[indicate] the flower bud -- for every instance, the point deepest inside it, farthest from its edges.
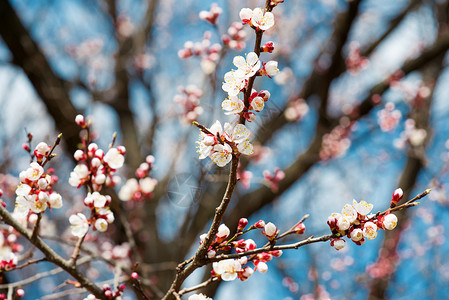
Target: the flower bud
(390, 221)
(262, 267)
(80, 121)
(268, 47)
(79, 155)
(397, 196)
(242, 224)
(338, 244)
(223, 231)
(270, 230)
(259, 224)
(300, 228)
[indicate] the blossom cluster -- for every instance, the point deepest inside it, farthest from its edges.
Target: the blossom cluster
(212, 15)
(356, 222)
(221, 143)
(388, 118)
(208, 52)
(235, 36)
(35, 192)
(188, 99)
(336, 143)
(230, 269)
(95, 169)
(236, 81)
(355, 61)
(142, 187)
(272, 180)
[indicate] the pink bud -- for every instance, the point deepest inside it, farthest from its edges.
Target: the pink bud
(397, 196)
(300, 228)
(249, 116)
(259, 224)
(79, 155)
(26, 147)
(20, 293)
(134, 275)
(276, 253)
(268, 47)
(242, 224)
(121, 150)
(80, 121)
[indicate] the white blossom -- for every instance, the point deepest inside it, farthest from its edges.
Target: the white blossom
(101, 225)
(390, 221)
(247, 67)
(262, 20)
(227, 269)
(370, 230)
(114, 159)
(79, 225)
(362, 207)
(232, 105)
(34, 172)
(233, 83)
(147, 184)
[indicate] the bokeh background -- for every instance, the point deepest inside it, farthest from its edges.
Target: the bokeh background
(359, 108)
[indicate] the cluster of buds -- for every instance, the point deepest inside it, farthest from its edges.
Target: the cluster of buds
(95, 167)
(336, 143)
(234, 105)
(208, 52)
(230, 269)
(142, 187)
(35, 191)
(410, 136)
(355, 61)
(272, 180)
(101, 215)
(108, 292)
(235, 37)
(189, 99)
(355, 222)
(9, 248)
(212, 15)
(258, 19)
(388, 118)
(220, 144)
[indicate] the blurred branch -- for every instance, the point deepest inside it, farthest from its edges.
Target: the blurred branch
(415, 163)
(394, 23)
(51, 88)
